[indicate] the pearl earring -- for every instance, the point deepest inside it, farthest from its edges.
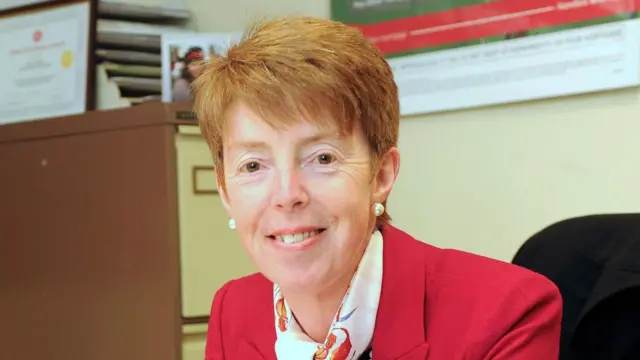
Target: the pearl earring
(378, 209)
(232, 224)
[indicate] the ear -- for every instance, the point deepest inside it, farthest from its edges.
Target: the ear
(386, 174)
(223, 193)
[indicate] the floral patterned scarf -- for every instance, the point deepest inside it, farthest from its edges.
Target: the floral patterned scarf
(352, 329)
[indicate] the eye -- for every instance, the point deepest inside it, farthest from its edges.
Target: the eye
(325, 159)
(252, 166)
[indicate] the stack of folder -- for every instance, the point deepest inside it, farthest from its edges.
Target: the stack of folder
(128, 50)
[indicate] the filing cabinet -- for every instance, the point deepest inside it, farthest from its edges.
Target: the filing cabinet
(113, 238)
(194, 341)
(209, 251)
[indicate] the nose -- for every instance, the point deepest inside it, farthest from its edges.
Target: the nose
(289, 192)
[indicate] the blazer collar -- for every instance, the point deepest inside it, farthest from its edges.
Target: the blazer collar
(400, 325)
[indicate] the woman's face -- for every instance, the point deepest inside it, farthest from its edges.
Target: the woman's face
(194, 69)
(302, 197)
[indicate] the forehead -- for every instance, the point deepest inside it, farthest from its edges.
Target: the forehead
(244, 123)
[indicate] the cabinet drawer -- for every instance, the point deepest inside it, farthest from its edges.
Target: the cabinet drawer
(194, 341)
(210, 252)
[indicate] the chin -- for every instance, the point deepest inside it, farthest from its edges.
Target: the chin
(290, 276)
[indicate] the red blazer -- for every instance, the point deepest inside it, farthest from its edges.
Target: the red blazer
(435, 304)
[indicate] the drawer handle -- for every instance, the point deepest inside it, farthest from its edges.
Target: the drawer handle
(202, 186)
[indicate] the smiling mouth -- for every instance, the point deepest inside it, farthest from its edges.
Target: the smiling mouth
(295, 238)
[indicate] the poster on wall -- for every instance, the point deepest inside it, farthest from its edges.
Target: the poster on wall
(45, 54)
(182, 55)
(456, 54)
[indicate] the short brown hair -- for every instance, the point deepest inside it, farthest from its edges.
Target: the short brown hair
(301, 66)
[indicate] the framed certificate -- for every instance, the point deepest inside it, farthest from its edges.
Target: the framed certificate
(15, 4)
(47, 60)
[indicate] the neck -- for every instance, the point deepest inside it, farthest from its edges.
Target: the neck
(315, 312)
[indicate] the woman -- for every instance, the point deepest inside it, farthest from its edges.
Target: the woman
(302, 120)
(190, 70)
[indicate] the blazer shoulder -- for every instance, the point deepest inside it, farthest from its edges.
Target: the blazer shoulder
(242, 299)
(504, 306)
(455, 269)
(242, 308)
(492, 273)
(241, 294)
(255, 281)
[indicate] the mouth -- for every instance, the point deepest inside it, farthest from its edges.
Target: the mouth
(297, 237)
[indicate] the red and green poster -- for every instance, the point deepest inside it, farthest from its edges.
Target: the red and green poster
(402, 29)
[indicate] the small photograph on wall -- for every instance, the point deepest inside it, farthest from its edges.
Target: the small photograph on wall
(182, 58)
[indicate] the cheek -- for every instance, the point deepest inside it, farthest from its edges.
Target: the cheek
(346, 193)
(350, 180)
(246, 201)
(246, 209)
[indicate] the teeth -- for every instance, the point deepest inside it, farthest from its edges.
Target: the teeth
(296, 238)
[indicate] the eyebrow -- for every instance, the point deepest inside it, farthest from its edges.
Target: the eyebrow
(261, 145)
(322, 137)
(248, 145)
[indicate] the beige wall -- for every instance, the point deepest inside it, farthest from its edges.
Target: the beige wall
(483, 180)
(232, 15)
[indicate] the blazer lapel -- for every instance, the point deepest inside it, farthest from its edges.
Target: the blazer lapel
(264, 348)
(259, 342)
(420, 352)
(400, 323)
(250, 351)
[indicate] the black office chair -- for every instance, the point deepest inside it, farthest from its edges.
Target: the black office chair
(595, 262)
